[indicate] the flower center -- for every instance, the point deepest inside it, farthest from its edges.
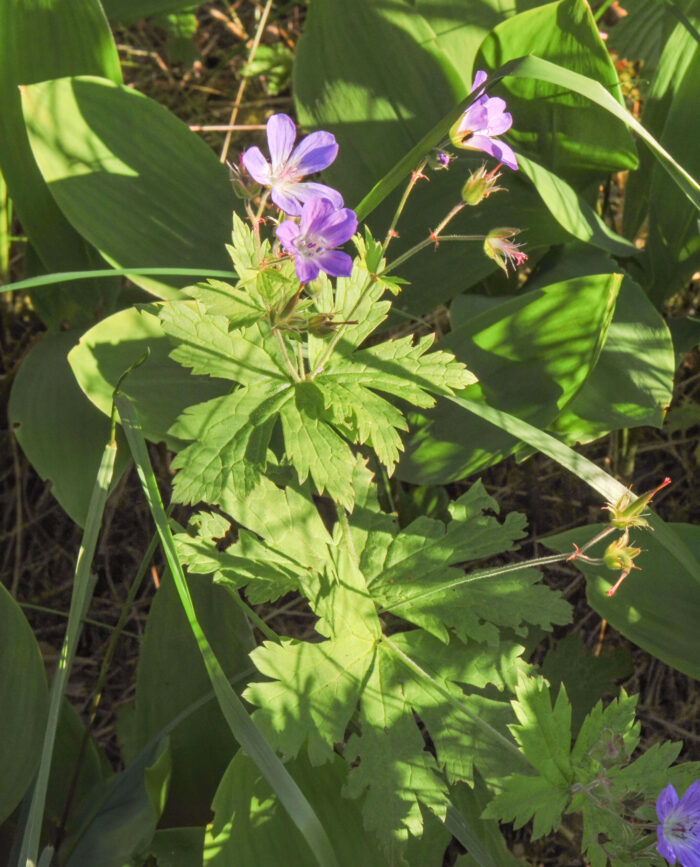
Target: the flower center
(308, 246)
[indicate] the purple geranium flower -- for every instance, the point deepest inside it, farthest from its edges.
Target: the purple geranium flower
(679, 831)
(314, 153)
(481, 122)
(311, 241)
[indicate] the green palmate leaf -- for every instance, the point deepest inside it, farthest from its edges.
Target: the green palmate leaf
(314, 694)
(394, 770)
(414, 578)
(324, 393)
(544, 733)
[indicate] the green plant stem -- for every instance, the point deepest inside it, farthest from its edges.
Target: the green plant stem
(477, 576)
(423, 675)
(602, 9)
(285, 354)
(415, 176)
(426, 242)
(46, 610)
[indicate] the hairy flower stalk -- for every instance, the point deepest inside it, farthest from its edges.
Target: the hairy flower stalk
(481, 123)
(289, 165)
(311, 241)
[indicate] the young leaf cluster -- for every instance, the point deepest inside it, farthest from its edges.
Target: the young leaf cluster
(299, 365)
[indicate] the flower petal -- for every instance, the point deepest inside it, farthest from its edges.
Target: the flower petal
(285, 200)
(335, 263)
(256, 165)
(663, 848)
(690, 802)
(315, 153)
(666, 801)
(281, 135)
(314, 215)
(497, 149)
(479, 78)
(688, 852)
(288, 232)
(339, 227)
(308, 190)
(307, 269)
(474, 119)
(499, 120)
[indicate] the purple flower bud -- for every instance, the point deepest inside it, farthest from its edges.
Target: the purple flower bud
(311, 241)
(287, 167)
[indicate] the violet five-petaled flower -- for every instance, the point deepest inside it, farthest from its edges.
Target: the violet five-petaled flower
(485, 119)
(679, 831)
(311, 241)
(289, 164)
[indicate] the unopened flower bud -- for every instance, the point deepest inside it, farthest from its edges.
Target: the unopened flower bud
(243, 186)
(626, 514)
(619, 556)
(480, 184)
(500, 247)
(439, 159)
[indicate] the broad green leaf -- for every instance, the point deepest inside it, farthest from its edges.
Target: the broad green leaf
(60, 431)
(572, 211)
(24, 697)
(156, 199)
(656, 607)
(566, 133)
(93, 767)
(393, 96)
(159, 387)
(672, 253)
(163, 690)
(394, 769)
(42, 39)
(531, 355)
(632, 382)
(119, 816)
(250, 826)
(178, 847)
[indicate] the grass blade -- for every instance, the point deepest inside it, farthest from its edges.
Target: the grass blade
(66, 276)
(82, 589)
(244, 729)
